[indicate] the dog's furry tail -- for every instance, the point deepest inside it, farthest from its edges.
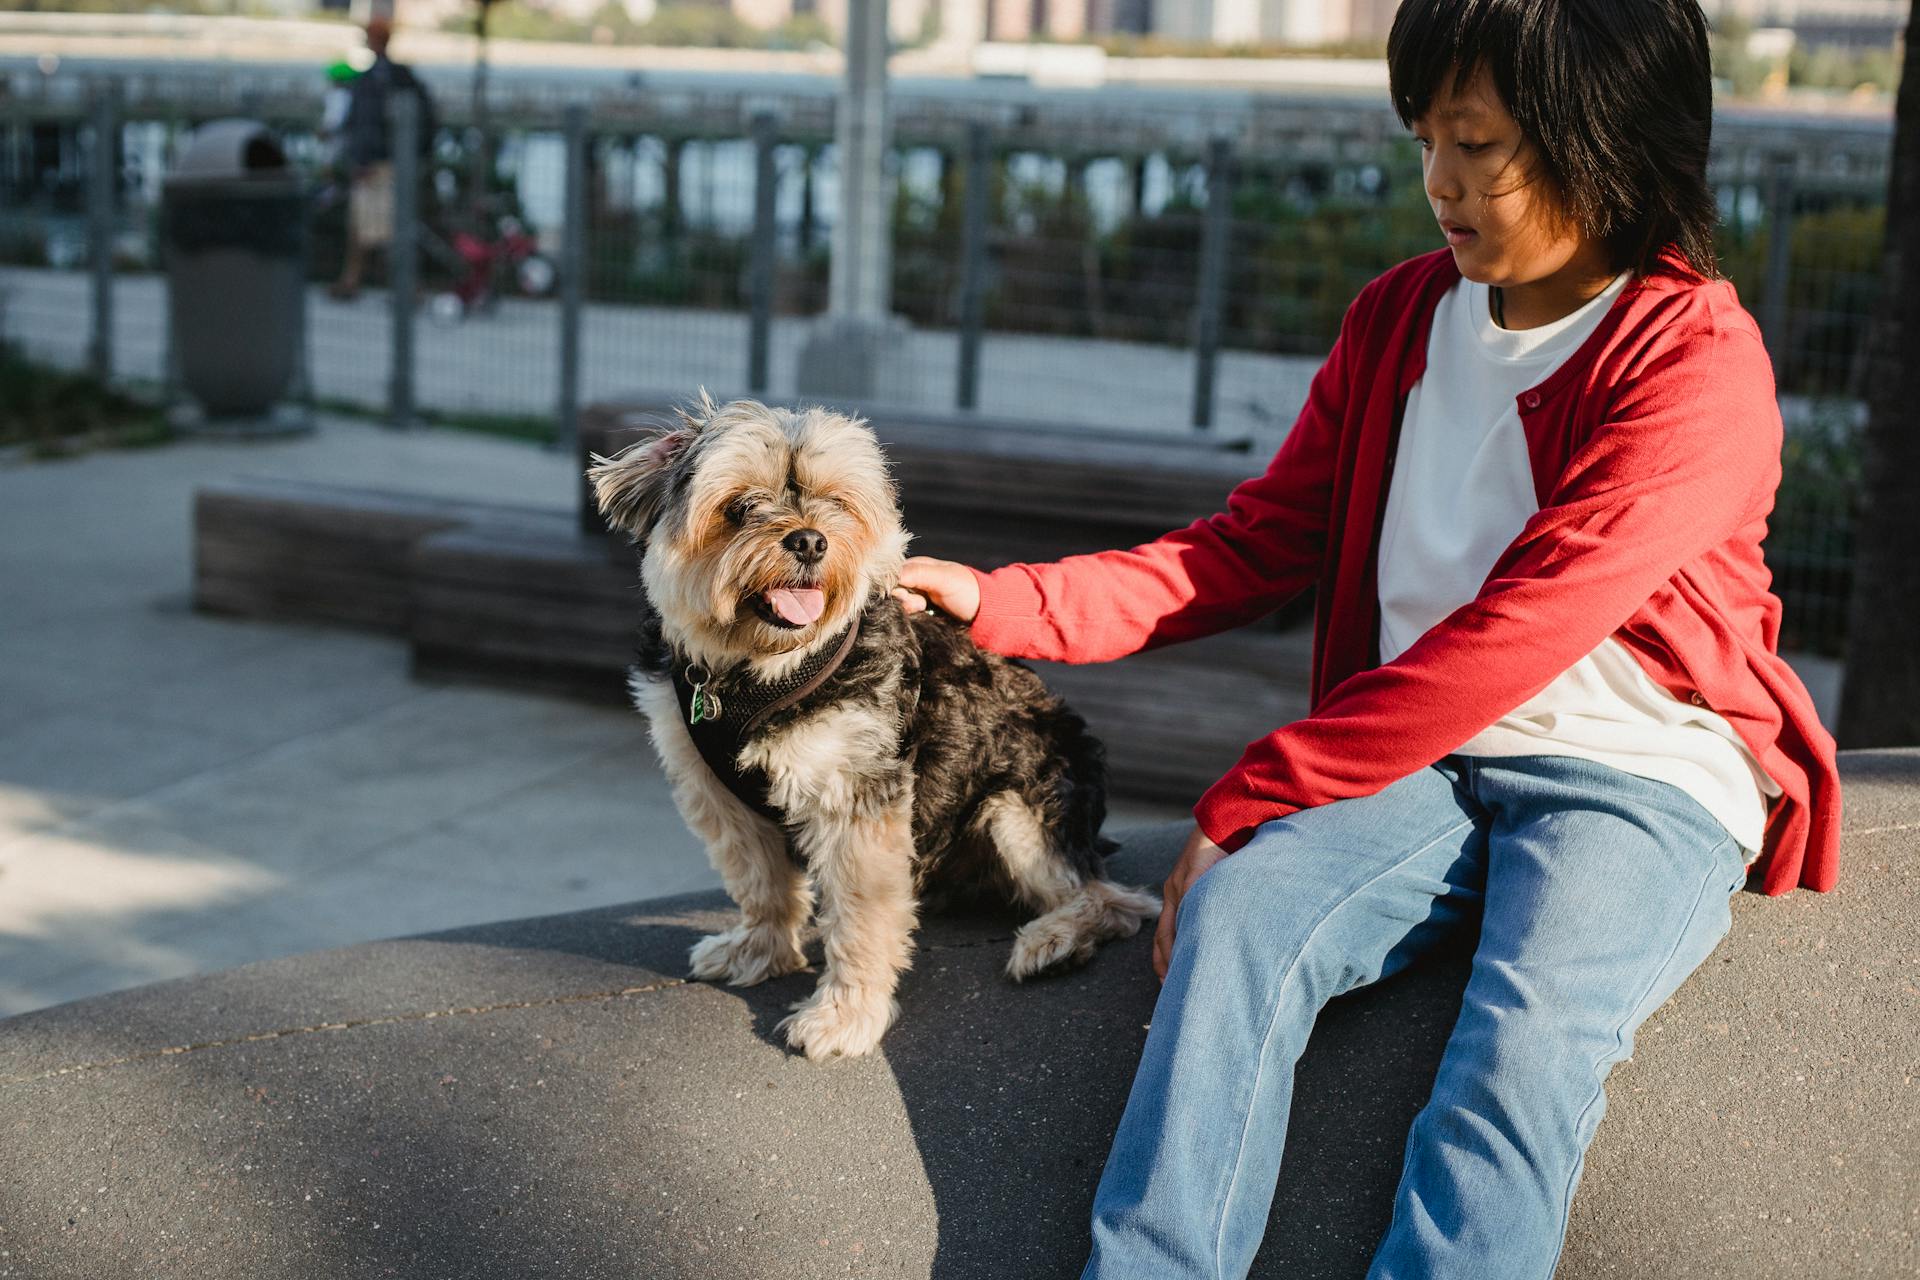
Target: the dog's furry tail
(1068, 934)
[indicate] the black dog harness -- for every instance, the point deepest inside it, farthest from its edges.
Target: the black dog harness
(723, 713)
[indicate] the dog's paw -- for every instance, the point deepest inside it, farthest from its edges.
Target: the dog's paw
(1048, 943)
(741, 957)
(839, 1022)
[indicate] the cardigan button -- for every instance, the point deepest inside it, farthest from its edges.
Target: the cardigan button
(1698, 701)
(1531, 400)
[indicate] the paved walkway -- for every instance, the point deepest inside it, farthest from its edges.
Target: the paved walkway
(181, 793)
(507, 362)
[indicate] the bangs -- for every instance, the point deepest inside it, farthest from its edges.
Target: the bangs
(1437, 46)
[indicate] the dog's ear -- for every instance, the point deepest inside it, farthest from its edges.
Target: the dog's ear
(632, 485)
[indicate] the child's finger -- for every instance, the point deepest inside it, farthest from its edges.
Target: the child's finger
(1163, 932)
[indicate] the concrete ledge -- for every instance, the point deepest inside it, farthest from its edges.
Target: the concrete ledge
(551, 1098)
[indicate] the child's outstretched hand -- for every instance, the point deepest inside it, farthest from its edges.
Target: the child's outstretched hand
(949, 586)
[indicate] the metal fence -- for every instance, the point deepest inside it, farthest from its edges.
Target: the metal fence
(1165, 262)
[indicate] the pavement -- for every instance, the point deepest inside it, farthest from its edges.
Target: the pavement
(553, 1098)
(507, 362)
(180, 794)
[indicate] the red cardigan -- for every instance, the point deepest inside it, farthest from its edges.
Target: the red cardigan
(1656, 452)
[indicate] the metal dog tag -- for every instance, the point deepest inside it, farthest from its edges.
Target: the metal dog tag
(704, 705)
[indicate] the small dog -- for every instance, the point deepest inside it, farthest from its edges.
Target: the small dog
(818, 737)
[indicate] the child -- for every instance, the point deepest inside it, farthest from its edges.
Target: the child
(1546, 696)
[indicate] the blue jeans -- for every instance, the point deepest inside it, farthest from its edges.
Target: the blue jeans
(1597, 893)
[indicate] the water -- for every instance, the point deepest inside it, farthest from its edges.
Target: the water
(717, 178)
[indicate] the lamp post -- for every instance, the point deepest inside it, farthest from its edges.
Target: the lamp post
(480, 173)
(847, 355)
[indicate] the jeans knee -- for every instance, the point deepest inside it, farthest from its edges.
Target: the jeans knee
(1224, 900)
(1242, 905)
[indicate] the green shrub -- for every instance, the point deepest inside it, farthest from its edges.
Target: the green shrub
(50, 410)
(1832, 290)
(1809, 544)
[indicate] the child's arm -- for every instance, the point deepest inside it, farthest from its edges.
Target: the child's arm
(1217, 573)
(1688, 456)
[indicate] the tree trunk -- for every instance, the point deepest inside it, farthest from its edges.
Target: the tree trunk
(1880, 702)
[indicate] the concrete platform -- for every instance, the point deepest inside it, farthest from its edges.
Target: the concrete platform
(552, 1098)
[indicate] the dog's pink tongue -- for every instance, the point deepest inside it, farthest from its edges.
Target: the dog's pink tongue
(798, 605)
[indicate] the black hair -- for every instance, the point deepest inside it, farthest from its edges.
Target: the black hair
(1616, 97)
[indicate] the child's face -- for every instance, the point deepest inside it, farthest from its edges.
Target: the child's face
(1504, 227)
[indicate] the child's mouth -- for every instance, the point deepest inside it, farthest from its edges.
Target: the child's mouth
(1460, 235)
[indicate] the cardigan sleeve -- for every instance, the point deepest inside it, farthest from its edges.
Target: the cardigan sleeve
(1213, 575)
(1687, 454)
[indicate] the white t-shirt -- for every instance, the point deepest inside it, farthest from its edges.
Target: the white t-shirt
(1462, 489)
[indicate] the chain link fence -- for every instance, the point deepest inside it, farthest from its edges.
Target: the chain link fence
(1164, 262)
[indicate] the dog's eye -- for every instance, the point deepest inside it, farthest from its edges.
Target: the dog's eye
(738, 510)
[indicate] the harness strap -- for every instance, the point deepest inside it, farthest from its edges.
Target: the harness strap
(720, 740)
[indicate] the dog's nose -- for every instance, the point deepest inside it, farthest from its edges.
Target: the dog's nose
(809, 546)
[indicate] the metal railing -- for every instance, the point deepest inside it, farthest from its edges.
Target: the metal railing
(1157, 261)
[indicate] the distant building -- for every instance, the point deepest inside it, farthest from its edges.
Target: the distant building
(906, 19)
(1044, 19)
(1301, 22)
(1859, 24)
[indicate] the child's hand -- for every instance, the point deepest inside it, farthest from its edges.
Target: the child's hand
(1199, 854)
(951, 587)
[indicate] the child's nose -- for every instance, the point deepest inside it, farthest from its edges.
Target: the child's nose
(1442, 179)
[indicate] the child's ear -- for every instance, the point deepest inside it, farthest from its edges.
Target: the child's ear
(632, 486)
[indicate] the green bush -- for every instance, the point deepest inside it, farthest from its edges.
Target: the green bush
(50, 410)
(1809, 544)
(1833, 288)
(673, 25)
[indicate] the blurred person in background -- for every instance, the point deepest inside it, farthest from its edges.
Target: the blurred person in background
(333, 108)
(367, 150)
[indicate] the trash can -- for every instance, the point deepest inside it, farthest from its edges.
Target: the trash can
(234, 234)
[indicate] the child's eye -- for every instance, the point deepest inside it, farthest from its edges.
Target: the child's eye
(1471, 147)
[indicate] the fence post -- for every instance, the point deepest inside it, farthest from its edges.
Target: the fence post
(760, 265)
(1773, 310)
(573, 270)
(301, 390)
(973, 263)
(101, 183)
(1214, 232)
(403, 252)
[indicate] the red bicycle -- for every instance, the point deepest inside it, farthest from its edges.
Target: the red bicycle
(483, 268)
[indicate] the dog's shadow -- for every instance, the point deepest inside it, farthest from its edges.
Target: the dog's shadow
(1013, 1091)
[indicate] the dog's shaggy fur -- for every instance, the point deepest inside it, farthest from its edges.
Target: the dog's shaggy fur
(921, 763)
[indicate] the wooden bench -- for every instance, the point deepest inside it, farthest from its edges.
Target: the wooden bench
(549, 600)
(993, 492)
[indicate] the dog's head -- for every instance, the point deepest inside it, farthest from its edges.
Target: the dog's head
(765, 530)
